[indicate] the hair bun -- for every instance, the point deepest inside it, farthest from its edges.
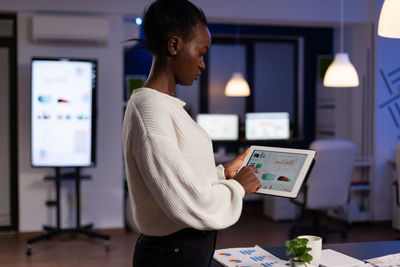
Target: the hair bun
(171, 1)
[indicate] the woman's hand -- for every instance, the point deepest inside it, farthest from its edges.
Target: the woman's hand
(247, 178)
(233, 166)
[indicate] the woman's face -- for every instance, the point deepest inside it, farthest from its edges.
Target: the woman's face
(190, 61)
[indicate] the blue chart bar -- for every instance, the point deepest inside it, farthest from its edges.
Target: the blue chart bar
(248, 251)
(258, 258)
(268, 264)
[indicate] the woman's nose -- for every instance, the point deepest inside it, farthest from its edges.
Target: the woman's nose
(202, 65)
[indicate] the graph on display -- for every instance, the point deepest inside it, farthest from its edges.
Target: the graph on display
(278, 171)
(267, 126)
(222, 127)
(391, 80)
(62, 112)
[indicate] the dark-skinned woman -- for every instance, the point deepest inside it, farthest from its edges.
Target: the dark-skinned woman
(179, 197)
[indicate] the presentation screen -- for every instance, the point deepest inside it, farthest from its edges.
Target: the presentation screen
(267, 126)
(220, 127)
(62, 112)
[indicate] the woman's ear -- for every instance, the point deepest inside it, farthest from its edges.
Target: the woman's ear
(174, 45)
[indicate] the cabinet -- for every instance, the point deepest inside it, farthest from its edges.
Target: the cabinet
(343, 113)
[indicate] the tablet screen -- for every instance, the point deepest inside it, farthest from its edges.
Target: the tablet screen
(278, 170)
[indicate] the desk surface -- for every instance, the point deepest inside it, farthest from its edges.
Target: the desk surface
(361, 251)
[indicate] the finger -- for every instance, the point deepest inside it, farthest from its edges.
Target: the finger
(244, 153)
(254, 169)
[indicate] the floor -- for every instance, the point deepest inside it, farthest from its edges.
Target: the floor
(251, 229)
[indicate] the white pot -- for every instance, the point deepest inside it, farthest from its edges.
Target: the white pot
(298, 264)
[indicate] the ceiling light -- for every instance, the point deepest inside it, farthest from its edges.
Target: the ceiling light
(389, 19)
(237, 86)
(341, 73)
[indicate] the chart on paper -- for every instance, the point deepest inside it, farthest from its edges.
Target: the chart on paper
(247, 257)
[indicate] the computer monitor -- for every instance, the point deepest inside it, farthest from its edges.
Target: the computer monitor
(267, 126)
(220, 127)
(63, 103)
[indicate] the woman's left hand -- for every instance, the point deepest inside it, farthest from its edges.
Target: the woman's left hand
(233, 166)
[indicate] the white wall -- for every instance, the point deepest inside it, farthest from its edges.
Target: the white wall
(101, 196)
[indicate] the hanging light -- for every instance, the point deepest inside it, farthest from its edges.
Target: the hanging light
(389, 19)
(237, 84)
(341, 73)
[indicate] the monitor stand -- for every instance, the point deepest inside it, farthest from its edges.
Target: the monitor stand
(50, 231)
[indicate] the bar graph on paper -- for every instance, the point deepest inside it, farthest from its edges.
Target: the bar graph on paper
(247, 257)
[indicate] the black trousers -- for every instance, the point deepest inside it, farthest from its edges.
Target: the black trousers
(185, 248)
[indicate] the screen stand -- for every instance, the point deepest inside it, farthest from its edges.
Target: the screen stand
(50, 231)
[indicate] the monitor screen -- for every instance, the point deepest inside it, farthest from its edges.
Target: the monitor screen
(267, 126)
(62, 112)
(222, 127)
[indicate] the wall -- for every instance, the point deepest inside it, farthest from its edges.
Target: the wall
(387, 117)
(101, 196)
(257, 11)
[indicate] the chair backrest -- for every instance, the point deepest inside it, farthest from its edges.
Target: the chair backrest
(397, 167)
(329, 183)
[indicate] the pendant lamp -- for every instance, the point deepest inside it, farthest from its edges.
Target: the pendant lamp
(237, 85)
(341, 73)
(389, 19)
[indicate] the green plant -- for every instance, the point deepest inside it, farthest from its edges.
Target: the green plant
(298, 248)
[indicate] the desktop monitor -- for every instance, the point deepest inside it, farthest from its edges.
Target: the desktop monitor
(220, 127)
(267, 126)
(63, 112)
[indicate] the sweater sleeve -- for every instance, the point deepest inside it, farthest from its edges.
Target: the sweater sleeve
(176, 189)
(221, 172)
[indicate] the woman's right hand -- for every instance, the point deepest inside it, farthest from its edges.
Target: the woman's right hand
(247, 178)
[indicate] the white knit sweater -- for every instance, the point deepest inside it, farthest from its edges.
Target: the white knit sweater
(172, 179)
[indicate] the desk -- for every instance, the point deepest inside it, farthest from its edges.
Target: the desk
(361, 251)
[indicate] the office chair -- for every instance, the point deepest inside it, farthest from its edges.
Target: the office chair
(396, 183)
(328, 185)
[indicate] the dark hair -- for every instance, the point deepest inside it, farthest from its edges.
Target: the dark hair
(164, 17)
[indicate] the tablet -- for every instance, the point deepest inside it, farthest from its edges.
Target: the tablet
(282, 170)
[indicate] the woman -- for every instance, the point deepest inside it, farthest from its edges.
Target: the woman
(179, 197)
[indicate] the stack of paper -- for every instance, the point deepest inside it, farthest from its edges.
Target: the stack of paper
(258, 257)
(332, 258)
(252, 256)
(389, 260)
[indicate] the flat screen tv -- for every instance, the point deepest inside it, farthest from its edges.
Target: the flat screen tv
(267, 126)
(220, 127)
(63, 104)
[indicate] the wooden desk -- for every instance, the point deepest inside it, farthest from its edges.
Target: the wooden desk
(361, 251)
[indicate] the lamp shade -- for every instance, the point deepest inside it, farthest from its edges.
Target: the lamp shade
(237, 86)
(389, 19)
(341, 73)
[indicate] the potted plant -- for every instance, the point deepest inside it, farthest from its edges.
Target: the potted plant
(298, 250)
